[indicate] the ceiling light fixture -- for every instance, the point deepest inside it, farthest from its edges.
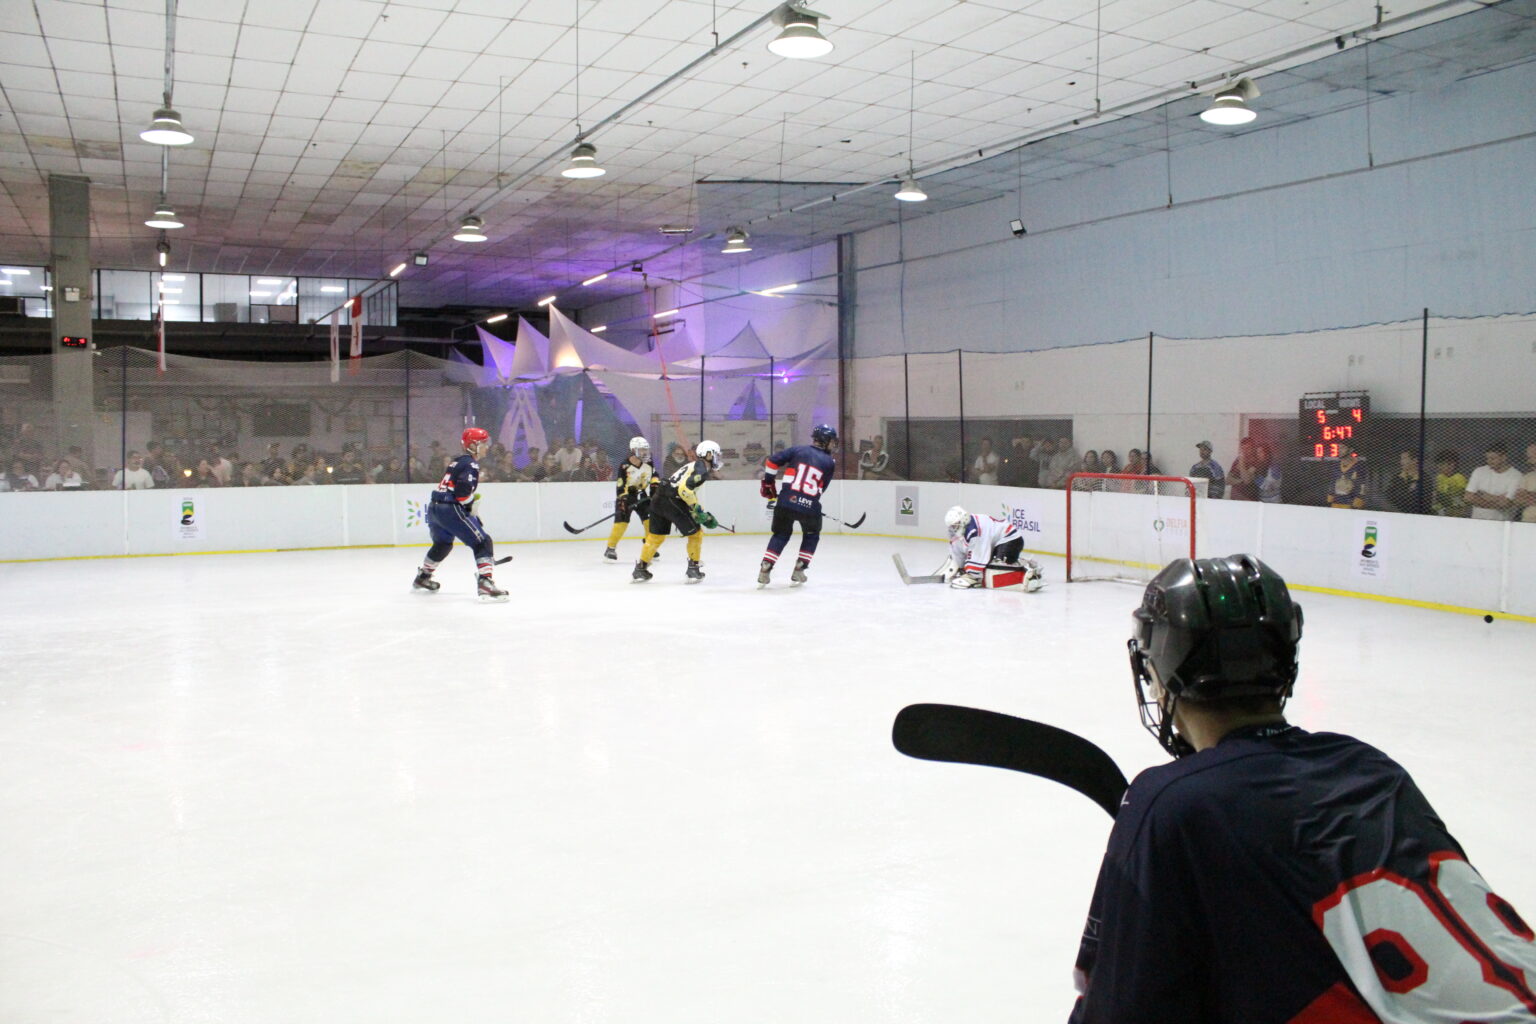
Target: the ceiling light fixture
(165, 129)
(800, 39)
(498, 318)
(593, 280)
(665, 312)
(909, 192)
(420, 259)
(599, 329)
(1230, 105)
(164, 218)
(546, 300)
(777, 289)
(736, 240)
(17, 271)
(398, 270)
(471, 229)
(269, 280)
(163, 250)
(583, 162)
(173, 277)
(332, 288)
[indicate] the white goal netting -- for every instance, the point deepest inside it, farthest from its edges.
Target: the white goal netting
(1126, 527)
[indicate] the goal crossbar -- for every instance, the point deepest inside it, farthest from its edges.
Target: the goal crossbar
(1122, 565)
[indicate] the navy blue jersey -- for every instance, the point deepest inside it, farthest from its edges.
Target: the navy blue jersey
(459, 482)
(804, 473)
(1287, 877)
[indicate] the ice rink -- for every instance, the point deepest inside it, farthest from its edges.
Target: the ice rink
(270, 788)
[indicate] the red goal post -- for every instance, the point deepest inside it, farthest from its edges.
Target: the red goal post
(1126, 527)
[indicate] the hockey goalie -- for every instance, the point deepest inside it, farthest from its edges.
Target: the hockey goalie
(988, 553)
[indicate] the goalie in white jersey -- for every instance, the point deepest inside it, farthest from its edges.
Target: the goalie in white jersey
(978, 541)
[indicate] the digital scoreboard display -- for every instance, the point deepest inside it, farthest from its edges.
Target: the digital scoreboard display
(72, 342)
(1333, 422)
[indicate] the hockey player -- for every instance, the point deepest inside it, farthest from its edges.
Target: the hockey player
(451, 516)
(1270, 874)
(633, 483)
(676, 503)
(796, 478)
(976, 541)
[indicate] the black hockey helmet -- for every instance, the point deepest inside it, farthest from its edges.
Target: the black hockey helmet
(1212, 628)
(823, 435)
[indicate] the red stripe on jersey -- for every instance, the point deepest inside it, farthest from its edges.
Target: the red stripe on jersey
(1338, 1005)
(769, 466)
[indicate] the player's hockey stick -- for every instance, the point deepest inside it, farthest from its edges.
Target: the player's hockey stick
(853, 525)
(584, 529)
(901, 567)
(948, 732)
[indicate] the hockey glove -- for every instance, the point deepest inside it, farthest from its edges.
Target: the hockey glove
(705, 519)
(620, 508)
(768, 488)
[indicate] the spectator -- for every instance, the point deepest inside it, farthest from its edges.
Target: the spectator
(872, 462)
(205, 475)
(1090, 464)
(1149, 467)
(350, 470)
(18, 479)
(1243, 483)
(984, 469)
(1019, 469)
(1109, 462)
(154, 461)
(280, 476)
(222, 467)
(1062, 463)
(1404, 491)
(250, 476)
(1491, 491)
(1269, 477)
(76, 457)
(273, 460)
(1209, 469)
(547, 469)
(1348, 490)
(133, 477)
(392, 473)
(601, 468)
(1450, 497)
(1525, 497)
(1135, 465)
(535, 457)
(64, 478)
(677, 458)
(28, 449)
(568, 456)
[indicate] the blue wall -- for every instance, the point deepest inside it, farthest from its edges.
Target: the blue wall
(1271, 232)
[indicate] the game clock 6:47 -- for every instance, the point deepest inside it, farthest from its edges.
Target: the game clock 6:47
(1333, 422)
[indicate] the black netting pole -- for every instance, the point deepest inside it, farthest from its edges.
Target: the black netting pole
(702, 374)
(123, 424)
(960, 381)
(1421, 504)
(408, 416)
(770, 407)
(1146, 458)
(906, 390)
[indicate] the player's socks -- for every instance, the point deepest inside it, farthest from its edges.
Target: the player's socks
(798, 576)
(611, 555)
(764, 571)
(694, 572)
(642, 572)
(424, 581)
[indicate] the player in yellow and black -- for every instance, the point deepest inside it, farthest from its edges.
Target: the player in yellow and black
(634, 482)
(676, 503)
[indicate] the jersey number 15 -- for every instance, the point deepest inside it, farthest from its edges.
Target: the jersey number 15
(805, 479)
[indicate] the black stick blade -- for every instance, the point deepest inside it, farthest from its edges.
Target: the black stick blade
(569, 528)
(858, 522)
(948, 732)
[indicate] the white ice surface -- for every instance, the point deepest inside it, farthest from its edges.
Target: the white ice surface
(282, 789)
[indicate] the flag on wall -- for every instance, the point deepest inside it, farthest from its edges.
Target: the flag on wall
(160, 331)
(335, 345)
(355, 355)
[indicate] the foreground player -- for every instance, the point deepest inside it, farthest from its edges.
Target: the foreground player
(450, 517)
(976, 541)
(676, 503)
(634, 482)
(1271, 874)
(797, 478)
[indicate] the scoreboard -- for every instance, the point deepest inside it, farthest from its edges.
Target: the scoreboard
(1333, 422)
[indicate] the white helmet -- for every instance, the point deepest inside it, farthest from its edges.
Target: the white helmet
(709, 452)
(639, 446)
(955, 518)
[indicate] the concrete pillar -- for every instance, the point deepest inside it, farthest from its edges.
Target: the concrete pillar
(69, 218)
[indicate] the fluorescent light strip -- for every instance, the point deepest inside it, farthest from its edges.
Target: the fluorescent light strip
(16, 271)
(173, 277)
(332, 288)
(261, 295)
(599, 329)
(269, 280)
(398, 270)
(498, 318)
(593, 280)
(546, 301)
(665, 312)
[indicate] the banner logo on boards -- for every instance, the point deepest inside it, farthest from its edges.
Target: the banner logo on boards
(1366, 559)
(1021, 520)
(906, 506)
(188, 526)
(415, 513)
(188, 512)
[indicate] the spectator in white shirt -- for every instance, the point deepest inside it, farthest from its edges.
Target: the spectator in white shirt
(64, 478)
(1525, 497)
(1491, 491)
(133, 477)
(18, 479)
(984, 469)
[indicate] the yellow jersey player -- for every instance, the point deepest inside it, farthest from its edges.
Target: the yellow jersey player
(634, 482)
(676, 503)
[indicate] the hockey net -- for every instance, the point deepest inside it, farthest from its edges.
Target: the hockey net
(1126, 527)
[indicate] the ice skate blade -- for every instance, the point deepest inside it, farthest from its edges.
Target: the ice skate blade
(492, 599)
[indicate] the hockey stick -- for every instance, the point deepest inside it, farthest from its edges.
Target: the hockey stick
(572, 529)
(853, 525)
(948, 732)
(901, 567)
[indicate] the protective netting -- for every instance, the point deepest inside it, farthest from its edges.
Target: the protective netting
(1127, 527)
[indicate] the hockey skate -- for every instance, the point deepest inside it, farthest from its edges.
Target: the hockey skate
(424, 582)
(764, 571)
(641, 574)
(694, 572)
(610, 554)
(489, 591)
(798, 576)
(966, 580)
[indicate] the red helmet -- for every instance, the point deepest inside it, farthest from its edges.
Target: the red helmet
(474, 435)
